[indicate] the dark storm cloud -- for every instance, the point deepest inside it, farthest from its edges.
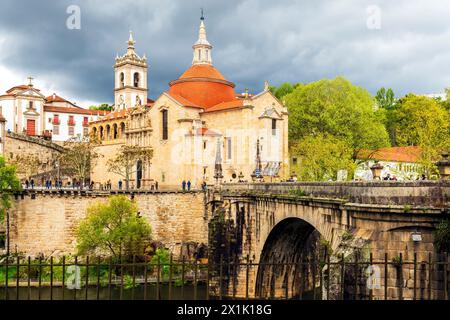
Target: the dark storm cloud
(297, 41)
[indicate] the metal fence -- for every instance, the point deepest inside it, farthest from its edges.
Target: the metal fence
(338, 279)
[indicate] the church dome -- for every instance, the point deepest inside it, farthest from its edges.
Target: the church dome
(203, 85)
(202, 71)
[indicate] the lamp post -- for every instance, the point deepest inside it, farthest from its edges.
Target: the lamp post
(444, 166)
(376, 170)
(58, 173)
(257, 173)
(218, 176)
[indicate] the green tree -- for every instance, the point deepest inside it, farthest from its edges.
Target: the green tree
(385, 98)
(114, 227)
(282, 90)
(124, 164)
(321, 157)
(102, 107)
(336, 108)
(442, 236)
(422, 121)
(78, 157)
(9, 182)
(386, 111)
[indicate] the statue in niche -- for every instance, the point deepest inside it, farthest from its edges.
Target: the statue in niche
(121, 103)
(138, 101)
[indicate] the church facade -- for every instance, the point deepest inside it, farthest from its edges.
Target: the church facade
(199, 130)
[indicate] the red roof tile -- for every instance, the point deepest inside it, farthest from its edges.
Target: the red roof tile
(73, 110)
(226, 106)
(21, 87)
(183, 101)
(204, 86)
(202, 71)
(397, 154)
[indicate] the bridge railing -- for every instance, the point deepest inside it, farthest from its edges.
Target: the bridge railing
(134, 279)
(416, 193)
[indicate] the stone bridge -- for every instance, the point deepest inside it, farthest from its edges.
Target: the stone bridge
(289, 223)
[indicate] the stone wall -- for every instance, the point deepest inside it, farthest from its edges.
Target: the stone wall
(17, 145)
(45, 222)
(417, 193)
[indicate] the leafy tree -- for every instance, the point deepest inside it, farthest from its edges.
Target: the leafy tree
(386, 111)
(102, 107)
(9, 182)
(385, 98)
(114, 227)
(124, 164)
(282, 90)
(321, 157)
(442, 236)
(78, 157)
(422, 121)
(336, 108)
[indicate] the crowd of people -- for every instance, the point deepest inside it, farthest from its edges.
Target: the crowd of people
(50, 184)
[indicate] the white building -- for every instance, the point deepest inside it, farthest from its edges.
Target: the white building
(28, 111)
(399, 163)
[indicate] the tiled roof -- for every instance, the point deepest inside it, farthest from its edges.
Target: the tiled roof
(55, 98)
(397, 154)
(204, 132)
(202, 71)
(21, 87)
(77, 110)
(203, 86)
(183, 101)
(226, 106)
(150, 102)
(115, 115)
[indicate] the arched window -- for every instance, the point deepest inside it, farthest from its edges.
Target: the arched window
(165, 124)
(115, 131)
(199, 55)
(136, 79)
(122, 129)
(122, 79)
(108, 132)
(101, 132)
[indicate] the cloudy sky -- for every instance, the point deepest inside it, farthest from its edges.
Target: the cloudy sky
(401, 44)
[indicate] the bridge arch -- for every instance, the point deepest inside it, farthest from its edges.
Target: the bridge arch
(286, 262)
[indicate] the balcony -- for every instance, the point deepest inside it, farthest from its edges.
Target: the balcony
(71, 123)
(85, 123)
(56, 121)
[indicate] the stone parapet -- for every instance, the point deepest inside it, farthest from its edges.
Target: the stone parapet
(415, 193)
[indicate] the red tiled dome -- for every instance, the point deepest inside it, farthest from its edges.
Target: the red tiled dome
(203, 85)
(202, 71)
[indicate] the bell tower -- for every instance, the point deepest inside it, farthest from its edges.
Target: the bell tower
(130, 87)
